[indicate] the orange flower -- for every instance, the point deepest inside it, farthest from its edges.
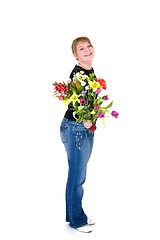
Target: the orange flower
(102, 82)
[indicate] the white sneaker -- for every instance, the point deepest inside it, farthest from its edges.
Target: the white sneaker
(86, 229)
(90, 222)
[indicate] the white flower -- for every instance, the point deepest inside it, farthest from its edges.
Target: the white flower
(78, 75)
(69, 81)
(83, 83)
(86, 88)
(81, 72)
(85, 77)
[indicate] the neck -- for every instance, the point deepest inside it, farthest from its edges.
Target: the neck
(86, 66)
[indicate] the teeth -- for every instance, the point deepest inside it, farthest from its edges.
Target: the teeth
(88, 54)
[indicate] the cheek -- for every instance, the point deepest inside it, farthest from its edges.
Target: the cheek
(80, 54)
(92, 49)
(92, 52)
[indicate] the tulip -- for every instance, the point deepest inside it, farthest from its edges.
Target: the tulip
(114, 114)
(105, 98)
(96, 106)
(100, 115)
(98, 90)
(82, 101)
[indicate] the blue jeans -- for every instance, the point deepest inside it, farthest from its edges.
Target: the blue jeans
(78, 144)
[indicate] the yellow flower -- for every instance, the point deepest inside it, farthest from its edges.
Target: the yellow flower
(74, 98)
(94, 85)
(66, 101)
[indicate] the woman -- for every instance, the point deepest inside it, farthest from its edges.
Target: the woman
(78, 143)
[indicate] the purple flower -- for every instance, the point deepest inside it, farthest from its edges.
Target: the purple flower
(96, 106)
(100, 115)
(98, 90)
(83, 92)
(82, 101)
(105, 98)
(114, 114)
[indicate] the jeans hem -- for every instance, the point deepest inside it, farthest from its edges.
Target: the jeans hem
(79, 225)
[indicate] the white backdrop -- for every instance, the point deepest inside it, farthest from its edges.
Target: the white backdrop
(122, 187)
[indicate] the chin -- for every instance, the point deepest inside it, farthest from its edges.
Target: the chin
(89, 58)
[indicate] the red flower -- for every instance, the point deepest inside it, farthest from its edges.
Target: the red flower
(102, 82)
(66, 89)
(56, 88)
(92, 128)
(60, 87)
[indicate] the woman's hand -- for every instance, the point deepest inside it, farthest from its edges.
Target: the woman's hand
(87, 124)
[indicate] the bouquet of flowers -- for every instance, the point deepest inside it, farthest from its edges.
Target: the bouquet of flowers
(83, 92)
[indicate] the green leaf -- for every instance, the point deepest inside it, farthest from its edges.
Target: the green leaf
(92, 76)
(74, 115)
(110, 105)
(93, 112)
(99, 101)
(80, 108)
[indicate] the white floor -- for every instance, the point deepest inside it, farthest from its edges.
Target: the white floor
(124, 202)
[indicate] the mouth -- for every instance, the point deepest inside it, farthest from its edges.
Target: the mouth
(87, 54)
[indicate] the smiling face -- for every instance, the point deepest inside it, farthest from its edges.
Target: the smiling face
(84, 52)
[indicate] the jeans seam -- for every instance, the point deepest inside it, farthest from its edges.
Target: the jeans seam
(72, 191)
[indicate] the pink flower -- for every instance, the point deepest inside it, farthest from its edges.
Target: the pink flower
(56, 88)
(100, 115)
(114, 114)
(61, 96)
(96, 106)
(60, 87)
(63, 87)
(82, 101)
(105, 98)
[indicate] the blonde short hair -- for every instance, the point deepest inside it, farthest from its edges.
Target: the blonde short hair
(77, 40)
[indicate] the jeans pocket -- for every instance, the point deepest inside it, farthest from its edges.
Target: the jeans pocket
(63, 132)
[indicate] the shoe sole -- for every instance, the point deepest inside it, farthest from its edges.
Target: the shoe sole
(84, 231)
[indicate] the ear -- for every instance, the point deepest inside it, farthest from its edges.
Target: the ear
(75, 56)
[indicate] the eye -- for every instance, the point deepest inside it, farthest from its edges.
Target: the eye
(81, 49)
